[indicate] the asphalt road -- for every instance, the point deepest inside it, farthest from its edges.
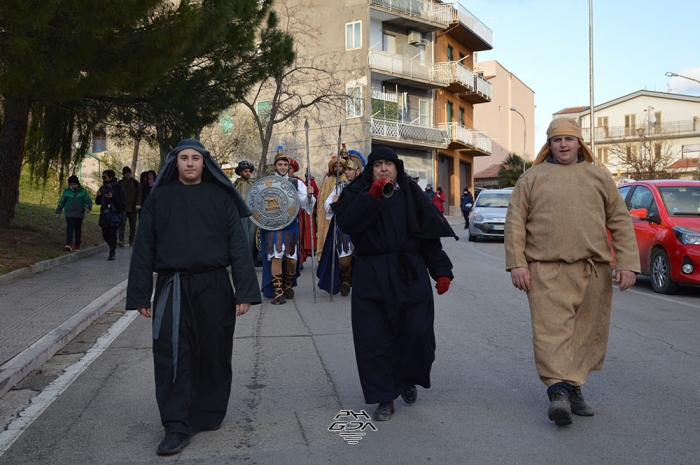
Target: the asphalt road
(294, 372)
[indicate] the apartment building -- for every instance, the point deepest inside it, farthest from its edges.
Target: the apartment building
(643, 124)
(407, 68)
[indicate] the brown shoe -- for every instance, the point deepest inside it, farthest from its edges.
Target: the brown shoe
(287, 284)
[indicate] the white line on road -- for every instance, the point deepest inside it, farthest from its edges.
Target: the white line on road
(42, 401)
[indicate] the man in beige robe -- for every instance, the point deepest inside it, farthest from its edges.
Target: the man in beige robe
(558, 251)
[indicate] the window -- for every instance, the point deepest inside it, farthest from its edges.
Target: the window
(354, 107)
(656, 123)
(461, 56)
(226, 122)
(657, 151)
(264, 111)
(641, 198)
(353, 35)
(450, 108)
(99, 141)
(389, 43)
(631, 153)
(603, 154)
(424, 109)
(630, 125)
(602, 122)
(624, 191)
(450, 53)
(461, 116)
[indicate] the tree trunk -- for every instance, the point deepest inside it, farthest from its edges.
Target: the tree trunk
(12, 142)
(135, 157)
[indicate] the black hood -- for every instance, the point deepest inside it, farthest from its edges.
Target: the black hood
(212, 173)
(423, 218)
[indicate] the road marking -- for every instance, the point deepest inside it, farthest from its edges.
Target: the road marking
(42, 401)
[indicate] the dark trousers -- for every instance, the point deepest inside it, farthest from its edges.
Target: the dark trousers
(466, 217)
(110, 237)
(74, 225)
(131, 218)
(198, 397)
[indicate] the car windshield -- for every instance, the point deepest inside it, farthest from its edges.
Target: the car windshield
(681, 200)
(493, 199)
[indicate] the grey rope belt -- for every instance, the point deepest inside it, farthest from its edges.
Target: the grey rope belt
(171, 285)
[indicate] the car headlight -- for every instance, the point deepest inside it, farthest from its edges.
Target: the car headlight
(478, 217)
(686, 236)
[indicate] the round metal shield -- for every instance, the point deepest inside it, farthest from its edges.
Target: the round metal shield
(274, 202)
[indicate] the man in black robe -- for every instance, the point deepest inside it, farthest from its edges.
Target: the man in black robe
(397, 250)
(190, 232)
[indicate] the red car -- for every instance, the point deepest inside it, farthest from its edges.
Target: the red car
(666, 218)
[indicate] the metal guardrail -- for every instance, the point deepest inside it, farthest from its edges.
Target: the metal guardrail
(426, 10)
(409, 132)
(408, 67)
(671, 128)
(458, 133)
(384, 96)
(469, 20)
(483, 87)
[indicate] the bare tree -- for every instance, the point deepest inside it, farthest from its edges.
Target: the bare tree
(309, 85)
(233, 138)
(646, 157)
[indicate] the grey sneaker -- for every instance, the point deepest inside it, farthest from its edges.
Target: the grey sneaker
(578, 404)
(559, 408)
(384, 411)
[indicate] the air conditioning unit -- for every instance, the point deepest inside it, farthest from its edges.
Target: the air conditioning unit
(414, 37)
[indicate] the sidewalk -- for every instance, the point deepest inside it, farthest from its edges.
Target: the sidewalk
(42, 312)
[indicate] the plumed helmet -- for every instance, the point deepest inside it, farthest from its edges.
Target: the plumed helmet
(343, 152)
(280, 155)
(244, 165)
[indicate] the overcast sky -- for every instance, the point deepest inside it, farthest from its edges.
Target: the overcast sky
(545, 44)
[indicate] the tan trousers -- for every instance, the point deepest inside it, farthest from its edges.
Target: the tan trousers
(570, 305)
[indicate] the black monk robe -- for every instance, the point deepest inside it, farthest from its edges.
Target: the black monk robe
(189, 234)
(392, 295)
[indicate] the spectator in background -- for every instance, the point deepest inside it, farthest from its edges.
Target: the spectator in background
(132, 189)
(439, 199)
(77, 203)
(429, 192)
(465, 204)
(112, 201)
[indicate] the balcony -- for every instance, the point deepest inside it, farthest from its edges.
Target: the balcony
(472, 33)
(466, 140)
(460, 77)
(482, 91)
(407, 71)
(408, 135)
(418, 15)
(622, 134)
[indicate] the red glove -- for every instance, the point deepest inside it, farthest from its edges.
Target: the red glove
(443, 284)
(377, 186)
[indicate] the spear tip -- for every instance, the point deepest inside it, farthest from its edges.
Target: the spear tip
(306, 123)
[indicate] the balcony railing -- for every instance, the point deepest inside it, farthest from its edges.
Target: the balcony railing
(404, 66)
(467, 136)
(626, 133)
(384, 96)
(409, 132)
(426, 10)
(483, 87)
(469, 20)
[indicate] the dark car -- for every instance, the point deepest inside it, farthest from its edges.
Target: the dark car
(666, 218)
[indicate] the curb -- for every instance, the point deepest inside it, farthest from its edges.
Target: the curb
(16, 369)
(51, 263)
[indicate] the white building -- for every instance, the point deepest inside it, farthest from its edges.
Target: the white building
(632, 120)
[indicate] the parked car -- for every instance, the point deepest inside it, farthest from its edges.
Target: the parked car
(488, 216)
(666, 218)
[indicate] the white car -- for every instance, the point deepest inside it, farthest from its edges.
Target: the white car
(488, 217)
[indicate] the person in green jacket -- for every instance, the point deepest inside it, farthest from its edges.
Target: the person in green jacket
(77, 203)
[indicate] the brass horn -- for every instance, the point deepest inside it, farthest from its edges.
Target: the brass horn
(388, 189)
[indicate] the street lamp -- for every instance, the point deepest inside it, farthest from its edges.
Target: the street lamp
(670, 74)
(524, 135)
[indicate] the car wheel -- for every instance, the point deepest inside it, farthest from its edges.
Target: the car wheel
(471, 238)
(661, 273)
